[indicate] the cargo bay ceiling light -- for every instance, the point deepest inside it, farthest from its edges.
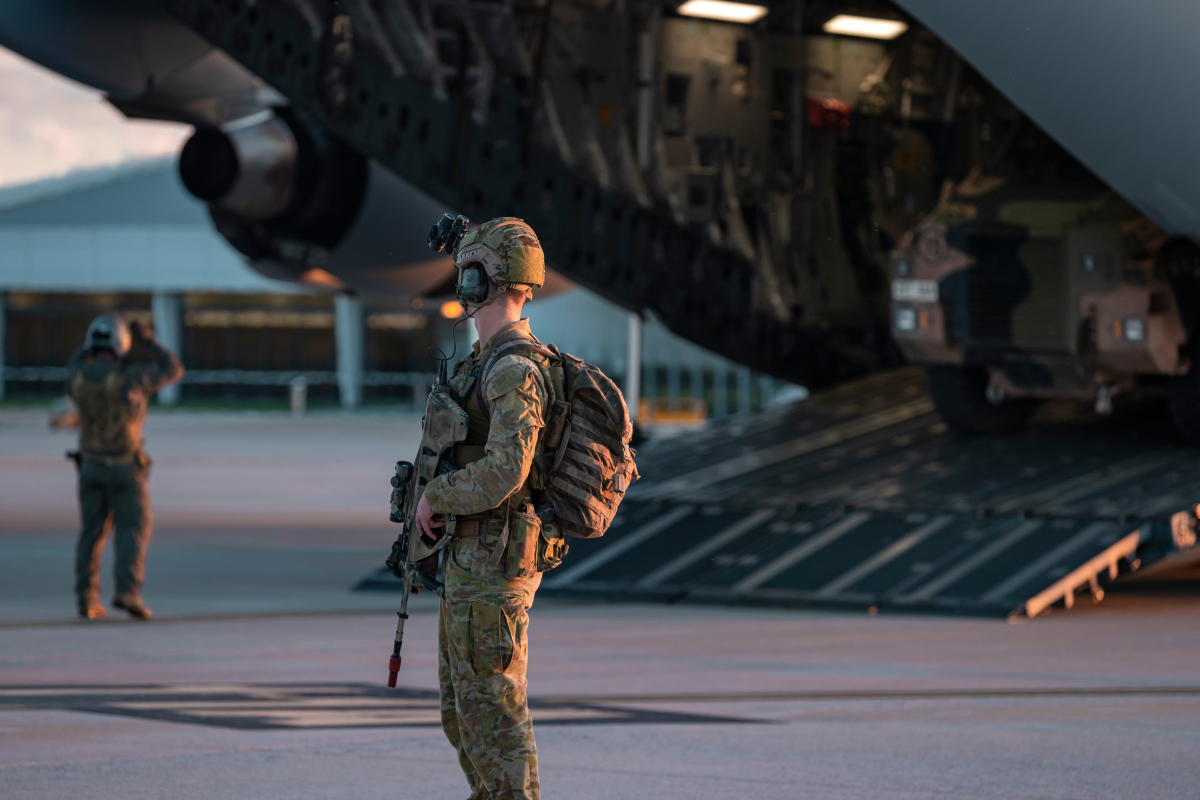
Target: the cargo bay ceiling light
(724, 11)
(867, 27)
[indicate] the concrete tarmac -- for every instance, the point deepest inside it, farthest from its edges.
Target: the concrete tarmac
(263, 675)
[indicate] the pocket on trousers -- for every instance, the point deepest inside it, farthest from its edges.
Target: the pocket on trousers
(520, 557)
(496, 639)
(471, 558)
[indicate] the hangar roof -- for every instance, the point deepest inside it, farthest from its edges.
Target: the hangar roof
(131, 227)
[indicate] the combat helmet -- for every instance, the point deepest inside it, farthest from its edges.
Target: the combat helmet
(504, 249)
(108, 331)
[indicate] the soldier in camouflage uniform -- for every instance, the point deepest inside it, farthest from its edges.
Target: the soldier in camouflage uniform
(482, 641)
(111, 396)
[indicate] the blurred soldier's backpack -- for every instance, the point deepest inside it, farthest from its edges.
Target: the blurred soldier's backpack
(584, 462)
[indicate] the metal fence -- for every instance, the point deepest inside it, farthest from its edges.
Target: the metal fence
(248, 377)
(704, 387)
(419, 382)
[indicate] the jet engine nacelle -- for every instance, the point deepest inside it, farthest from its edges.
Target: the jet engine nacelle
(300, 205)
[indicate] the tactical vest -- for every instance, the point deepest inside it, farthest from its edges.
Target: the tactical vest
(110, 421)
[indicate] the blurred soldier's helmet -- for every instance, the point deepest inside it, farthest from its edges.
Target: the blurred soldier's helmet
(108, 331)
(505, 250)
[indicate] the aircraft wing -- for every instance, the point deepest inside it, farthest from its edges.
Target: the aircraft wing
(1113, 81)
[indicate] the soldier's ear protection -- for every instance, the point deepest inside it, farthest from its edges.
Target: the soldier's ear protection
(472, 284)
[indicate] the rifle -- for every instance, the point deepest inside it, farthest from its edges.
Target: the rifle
(443, 426)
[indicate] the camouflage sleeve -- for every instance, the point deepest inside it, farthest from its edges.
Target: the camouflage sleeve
(73, 365)
(166, 369)
(516, 395)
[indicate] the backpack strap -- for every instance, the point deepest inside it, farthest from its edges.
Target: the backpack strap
(511, 342)
(474, 379)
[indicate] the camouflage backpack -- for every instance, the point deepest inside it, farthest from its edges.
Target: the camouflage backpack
(584, 461)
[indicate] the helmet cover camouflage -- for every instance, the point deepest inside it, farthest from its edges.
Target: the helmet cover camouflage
(509, 251)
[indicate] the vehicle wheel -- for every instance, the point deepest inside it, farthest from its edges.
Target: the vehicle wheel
(959, 394)
(1183, 399)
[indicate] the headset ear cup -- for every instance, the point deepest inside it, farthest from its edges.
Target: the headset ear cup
(481, 285)
(473, 284)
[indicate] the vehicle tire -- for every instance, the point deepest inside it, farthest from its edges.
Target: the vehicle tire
(1183, 399)
(959, 395)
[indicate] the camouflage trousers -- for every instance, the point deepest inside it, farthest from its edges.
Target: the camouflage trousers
(483, 650)
(112, 497)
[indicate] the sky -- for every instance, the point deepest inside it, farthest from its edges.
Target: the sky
(50, 126)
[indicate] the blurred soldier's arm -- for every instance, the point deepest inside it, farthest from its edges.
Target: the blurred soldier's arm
(63, 413)
(73, 364)
(166, 369)
(516, 396)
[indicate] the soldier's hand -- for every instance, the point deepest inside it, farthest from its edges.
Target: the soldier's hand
(140, 331)
(428, 527)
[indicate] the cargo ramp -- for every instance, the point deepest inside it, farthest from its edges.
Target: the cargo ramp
(860, 497)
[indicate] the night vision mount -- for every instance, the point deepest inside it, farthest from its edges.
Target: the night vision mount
(443, 237)
(445, 233)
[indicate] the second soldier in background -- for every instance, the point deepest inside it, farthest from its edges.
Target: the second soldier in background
(111, 395)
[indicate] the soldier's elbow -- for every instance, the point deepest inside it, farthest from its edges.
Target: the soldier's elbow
(506, 490)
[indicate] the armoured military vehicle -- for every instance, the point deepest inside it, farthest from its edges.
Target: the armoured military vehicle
(1038, 282)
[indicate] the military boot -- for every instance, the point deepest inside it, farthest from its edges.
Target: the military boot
(92, 609)
(133, 605)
